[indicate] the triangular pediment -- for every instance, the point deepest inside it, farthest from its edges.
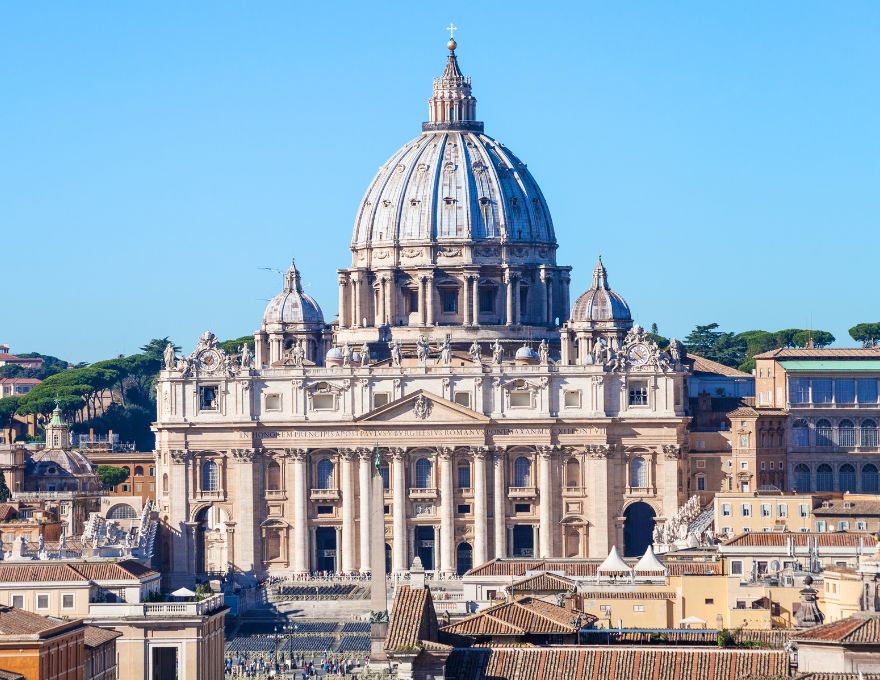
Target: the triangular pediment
(422, 407)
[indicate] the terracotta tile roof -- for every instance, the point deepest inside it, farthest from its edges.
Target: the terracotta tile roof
(693, 568)
(412, 619)
(523, 616)
(823, 353)
(700, 364)
(857, 507)
(96, 637)
(573, 568)
(543, 582)
(774, 539)
(9, 675)
(20, 381)
(20, 622)
(40, 572)
(611, 663)
(817, 676)
(113, 571)
(7, 512)
(859, 629)
(623, 595)
(747, 411)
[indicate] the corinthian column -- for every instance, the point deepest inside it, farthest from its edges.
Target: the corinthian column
(380, 302)
(447, 550)
(508, 283)
(465, 301)
(300, 513)
(347, 480)
(364, 473)
(480, 515)
(429, 300)
(398, 476)
(343, 312)
(545, 480)
(475, 304)
(500, 509)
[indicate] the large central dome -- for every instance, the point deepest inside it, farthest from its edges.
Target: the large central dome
(453, 240)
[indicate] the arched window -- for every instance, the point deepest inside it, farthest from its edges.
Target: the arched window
(824, 478)
(802, 478)
(870, 479)
(846, 478)
(800, 433)
(846, 433)
(273, 476)
(210, 476)
(423, 473)
(138, 471)
(522, 472)
(464, 558)
(638, 473)
(121, 511)
(823, 433)
(325, 474)
(572, 473)
(869, 433)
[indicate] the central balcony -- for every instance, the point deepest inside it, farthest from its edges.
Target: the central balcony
(324, 494)
(422, 494)
(522, 492)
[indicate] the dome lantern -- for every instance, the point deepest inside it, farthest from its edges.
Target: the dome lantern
(452, 106)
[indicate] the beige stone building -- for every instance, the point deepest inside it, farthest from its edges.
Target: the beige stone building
(507, 422)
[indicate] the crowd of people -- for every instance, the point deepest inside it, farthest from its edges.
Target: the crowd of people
(259, 666)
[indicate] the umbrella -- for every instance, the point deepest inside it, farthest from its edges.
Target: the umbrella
(183, 592)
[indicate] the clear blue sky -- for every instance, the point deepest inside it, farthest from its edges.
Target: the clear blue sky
(723, 157)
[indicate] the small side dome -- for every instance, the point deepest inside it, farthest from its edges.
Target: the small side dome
(600, 303)
(292, 305)
(334, 357)
(526, 355)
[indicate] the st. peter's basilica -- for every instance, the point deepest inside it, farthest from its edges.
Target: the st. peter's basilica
(507, 421)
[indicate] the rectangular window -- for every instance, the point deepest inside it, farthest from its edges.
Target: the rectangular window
(42, 601)
(844, 391)
(820, 526)
(821, 390)
(843, 525)
(701, 464)
(744, 465)
(868, 391)
(701, 483)
(782, 510)
(746, 509)
(763, 465)
(125, 487)
(152, 472)
(462, 398)
(736, 567)
(638, 608)
(464, 476)
(413, 301)
(450, 301)
(744, 441)
(325, 509)
(765, 510)
(522, 507)
(208, 398)
(323, 402)
(572, 398)
(464, 509)
(487, 300)
(520, 399)
(138, 486)
(273, 402)
(18, 601)
(861, 526)
(67, 601)
(799, 390)
(726, 509)
(380, 399)
(803, 510)
(383, 473)
(638, 393)
(771, 464)
(709, 600)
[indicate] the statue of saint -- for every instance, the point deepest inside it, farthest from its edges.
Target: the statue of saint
(365, 354)
(497, 353)
(476, 353)
(247, 359)
(446, 352)
(544, 352)
(422, 349)
(169, 357)
(394, 348)
(297, 353)
(346, 355)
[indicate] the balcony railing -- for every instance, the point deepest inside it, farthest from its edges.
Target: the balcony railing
(276, 494)
(522, 492)
(213, 495)
(422, 494)
(155, 609)
(324, 494)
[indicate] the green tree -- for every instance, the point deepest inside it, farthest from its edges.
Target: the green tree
(5, 494)
(818, 338)
(710, 343)
(156, 347)
(654, 334)
(866, 333)
(111, 475)
(702, 339)
(233, 346)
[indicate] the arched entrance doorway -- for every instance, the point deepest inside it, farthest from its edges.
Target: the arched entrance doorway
(638, 529)
(325, 548)
(210, 541)
(425, 546)
(464, 558)
(523, 540)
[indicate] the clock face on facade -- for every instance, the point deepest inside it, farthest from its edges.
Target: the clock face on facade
(209, 360)
(638, 354)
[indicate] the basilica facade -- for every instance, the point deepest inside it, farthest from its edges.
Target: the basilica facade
(504, 420)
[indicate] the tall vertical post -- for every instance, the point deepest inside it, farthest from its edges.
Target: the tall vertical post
(378, 589)
(300, 513)
(347, 479)
(447, 518)
(480, 516)
(500, 503)
(398, 475)
(545, 480)
(364, 482)
(429, 300)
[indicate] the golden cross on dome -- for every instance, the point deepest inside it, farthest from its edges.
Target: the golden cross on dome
(452, 28)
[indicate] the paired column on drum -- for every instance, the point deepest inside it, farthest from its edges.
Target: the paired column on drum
(481, 518)
(347, 482)
(300, 512)
(500, 502)
(364, 482)
(447, 529)
(398, 478)
(545, 494)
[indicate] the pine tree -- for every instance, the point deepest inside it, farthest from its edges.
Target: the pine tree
(5, 494)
